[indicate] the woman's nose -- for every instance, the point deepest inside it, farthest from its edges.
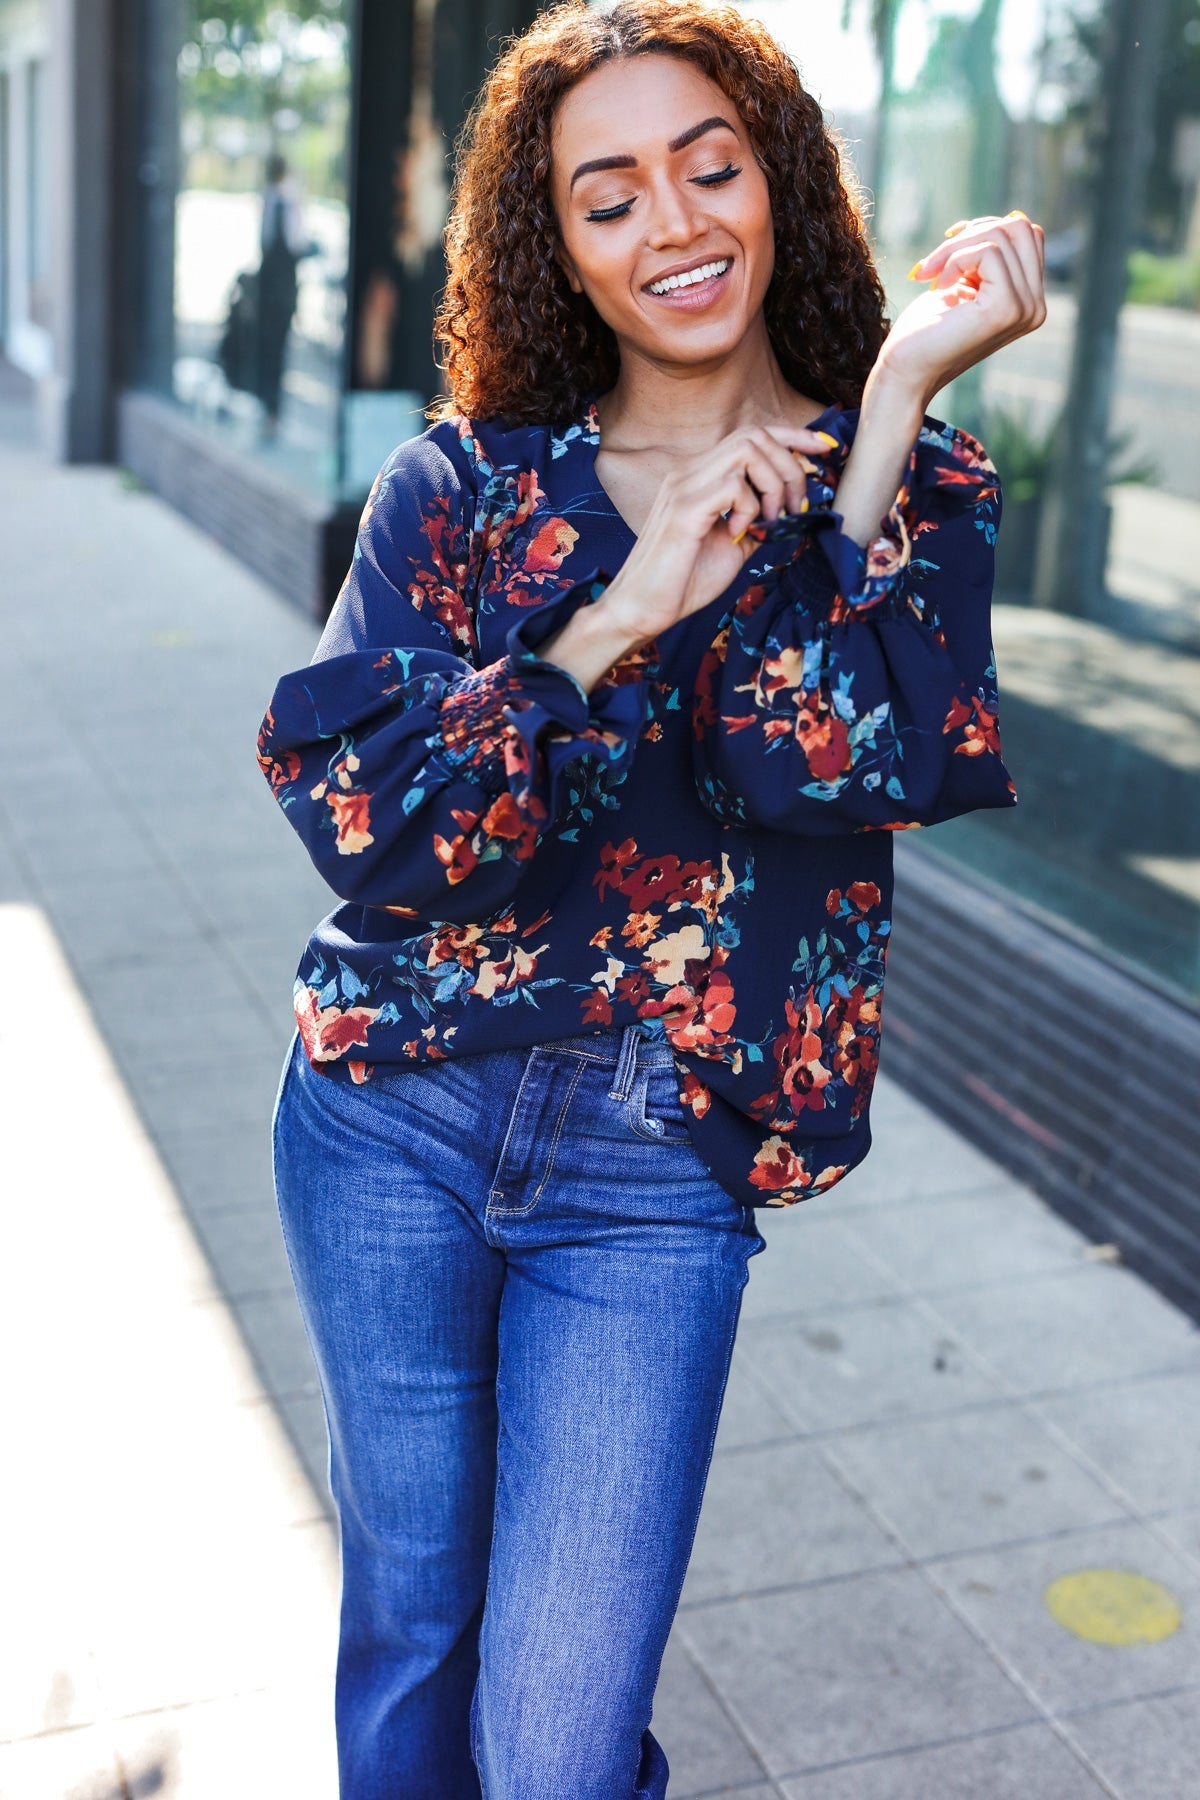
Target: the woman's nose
(674, 218)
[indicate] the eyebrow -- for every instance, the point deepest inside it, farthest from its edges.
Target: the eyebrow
(630, 162)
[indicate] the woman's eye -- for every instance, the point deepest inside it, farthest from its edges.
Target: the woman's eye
(610, 212)
(721, 175)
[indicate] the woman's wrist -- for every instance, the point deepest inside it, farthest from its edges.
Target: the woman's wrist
(588, 645)
(889, 423)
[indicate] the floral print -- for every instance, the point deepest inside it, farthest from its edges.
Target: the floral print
(700, 845)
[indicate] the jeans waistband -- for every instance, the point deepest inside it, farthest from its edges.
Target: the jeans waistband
(626, 1047)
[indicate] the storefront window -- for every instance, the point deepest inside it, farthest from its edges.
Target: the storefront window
(37, 208)
(988, 105)
(261, 228)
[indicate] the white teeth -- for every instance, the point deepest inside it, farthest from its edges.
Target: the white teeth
(689, 277)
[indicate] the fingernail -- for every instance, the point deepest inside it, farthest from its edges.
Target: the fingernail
(827, 437)
(953, 231)
(912, 273)
(1015, 214)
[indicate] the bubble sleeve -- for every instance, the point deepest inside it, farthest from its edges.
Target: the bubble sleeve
(855, 689)
(418, 780)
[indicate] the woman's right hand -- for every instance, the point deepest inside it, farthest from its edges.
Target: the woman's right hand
(695, 541)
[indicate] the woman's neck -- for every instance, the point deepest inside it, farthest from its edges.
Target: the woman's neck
(658, 405)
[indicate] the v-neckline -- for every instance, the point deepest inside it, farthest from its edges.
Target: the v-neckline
(589, 432)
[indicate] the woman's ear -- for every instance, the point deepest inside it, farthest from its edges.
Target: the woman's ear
(567, 266)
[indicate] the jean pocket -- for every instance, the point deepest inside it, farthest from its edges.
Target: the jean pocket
(655, 1110)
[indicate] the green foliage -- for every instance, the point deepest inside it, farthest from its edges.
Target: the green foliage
(245, 20)
(1024, 453)
(1163, 280)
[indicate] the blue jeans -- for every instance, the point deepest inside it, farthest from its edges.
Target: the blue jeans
(521, 1285)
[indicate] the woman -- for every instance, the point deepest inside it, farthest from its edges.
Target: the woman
(603, 746)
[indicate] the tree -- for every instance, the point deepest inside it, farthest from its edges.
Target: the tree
(883, 16)
(1072, 550)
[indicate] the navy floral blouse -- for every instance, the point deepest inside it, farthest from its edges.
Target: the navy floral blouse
(701, 845)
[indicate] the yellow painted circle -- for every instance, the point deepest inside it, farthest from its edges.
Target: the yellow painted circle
(1113, 1606)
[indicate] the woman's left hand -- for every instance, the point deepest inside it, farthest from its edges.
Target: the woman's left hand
(988, 288)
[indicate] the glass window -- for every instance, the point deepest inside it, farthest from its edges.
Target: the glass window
(261, 227)
(37, 214)
(988, 105)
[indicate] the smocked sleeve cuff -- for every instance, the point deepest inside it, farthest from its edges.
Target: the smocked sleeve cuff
(522, 710)
(947, 471)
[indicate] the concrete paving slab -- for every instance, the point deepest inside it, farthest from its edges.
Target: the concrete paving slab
(1183, 1530)
(1003, 1593)
(239, 1748)
(245, 1248)
(986, 1476)
(68, 1765)
(214, 1173)
(776, 1517)
(160, 1542)
(842, 1368)
(1027, 1762)
(271, 1326)
(966, 1240)
(1051, 1332)
(304, 1416)
(846, 1668)
(749, 1415)
(1148, 1749)
(910, 1159)
(706, 1752)
(809, 1265)
(1145, 1434)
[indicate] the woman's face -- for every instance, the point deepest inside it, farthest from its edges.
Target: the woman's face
(653, 178)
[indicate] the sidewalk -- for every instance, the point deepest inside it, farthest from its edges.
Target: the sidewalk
(944, 1406)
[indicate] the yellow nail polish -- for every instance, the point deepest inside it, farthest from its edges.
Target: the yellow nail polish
(912, 273)
(828, 438)
(1018, 215)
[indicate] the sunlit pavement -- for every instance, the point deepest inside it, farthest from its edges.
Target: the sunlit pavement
(951, 1540)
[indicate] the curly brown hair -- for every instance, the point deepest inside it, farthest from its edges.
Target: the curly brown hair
(516, 342)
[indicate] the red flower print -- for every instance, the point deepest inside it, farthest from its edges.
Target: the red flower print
(352, 816)
(596, 1008)
(825, 740)
(803, 1076)
(614, 860)
(327, 1032)
(554, 541)
(982, 735)
(778, 1168)
(694, 1094)
(862, 895)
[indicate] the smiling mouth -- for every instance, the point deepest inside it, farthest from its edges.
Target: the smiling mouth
(691, 278)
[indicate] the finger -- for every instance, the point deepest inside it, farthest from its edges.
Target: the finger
(788, 471)
(740, 509)
(965, 230)
(803, 447)
(968, 270)
(1023, 235)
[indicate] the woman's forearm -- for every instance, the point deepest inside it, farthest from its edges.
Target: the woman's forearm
(888, 427)
(589, 644)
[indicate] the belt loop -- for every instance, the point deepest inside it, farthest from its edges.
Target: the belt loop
(626, 1059)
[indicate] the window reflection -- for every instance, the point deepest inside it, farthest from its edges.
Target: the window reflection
(261, 227)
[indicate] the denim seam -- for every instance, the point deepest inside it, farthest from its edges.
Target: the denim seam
(497, 1192)
(623, 1080)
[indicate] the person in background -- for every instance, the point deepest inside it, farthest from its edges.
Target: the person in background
(282, 243)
